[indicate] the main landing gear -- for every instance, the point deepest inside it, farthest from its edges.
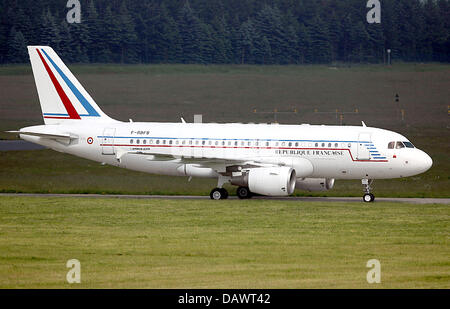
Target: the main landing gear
(243, 193)
(222, 194)
(219, 194)
(367, 197)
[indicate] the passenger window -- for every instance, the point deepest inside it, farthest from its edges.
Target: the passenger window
(399, 145)
(323, 144)
(267, 144)
(170, 142)
(131, 141)
(144, 141)
(138, 141)
(329, 145)
(203, 142)
(336, 145)
(164, 141)
(290, 144)
(317, 145)
(223, 143)
(157, 141)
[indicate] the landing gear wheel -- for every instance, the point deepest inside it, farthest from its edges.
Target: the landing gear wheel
(243, 193)
(218, 194)
(368, 198)
(224, 193)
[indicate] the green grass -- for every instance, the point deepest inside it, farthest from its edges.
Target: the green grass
(226, 244)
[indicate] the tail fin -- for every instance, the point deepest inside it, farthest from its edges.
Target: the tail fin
(62, 97)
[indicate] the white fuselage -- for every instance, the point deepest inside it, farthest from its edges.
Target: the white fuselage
(339, 152)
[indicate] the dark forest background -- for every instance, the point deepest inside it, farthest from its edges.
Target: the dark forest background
(227, 32)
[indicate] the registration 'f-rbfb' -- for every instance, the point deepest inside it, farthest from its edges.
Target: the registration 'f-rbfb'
(265, 159)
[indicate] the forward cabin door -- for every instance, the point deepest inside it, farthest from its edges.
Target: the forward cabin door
(108, 141)
(363, 151)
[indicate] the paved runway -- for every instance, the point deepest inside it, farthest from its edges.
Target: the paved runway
(287, 199)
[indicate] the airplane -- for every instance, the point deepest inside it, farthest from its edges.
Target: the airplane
(260, 159)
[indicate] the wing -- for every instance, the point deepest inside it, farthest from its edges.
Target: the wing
(219, 164)
(226, 164)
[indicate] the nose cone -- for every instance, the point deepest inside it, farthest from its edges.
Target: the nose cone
(424, 162)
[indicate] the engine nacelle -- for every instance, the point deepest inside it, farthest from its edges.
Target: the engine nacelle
(314, 184)
(270, 181)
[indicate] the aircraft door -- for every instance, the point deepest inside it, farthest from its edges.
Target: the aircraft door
(108, 141)
(363, 151)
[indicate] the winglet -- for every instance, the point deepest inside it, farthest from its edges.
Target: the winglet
(182, 120)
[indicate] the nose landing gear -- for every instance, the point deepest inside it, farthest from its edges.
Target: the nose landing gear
(367, 197)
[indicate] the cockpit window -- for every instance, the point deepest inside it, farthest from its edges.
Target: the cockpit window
(408, 145)
(399, 145)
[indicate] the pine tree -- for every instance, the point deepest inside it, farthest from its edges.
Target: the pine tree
(359, 41)
(334, 33)
(93, 24)
(269, 24)
(191, 35)
(245, 44)
(304, 45)
(222, 42)
(66, 43)
(127, 36)
(17, 51)
(109, 40)
(49, 30)
(320, 42)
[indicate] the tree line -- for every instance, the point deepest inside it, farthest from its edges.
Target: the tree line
(227, 31)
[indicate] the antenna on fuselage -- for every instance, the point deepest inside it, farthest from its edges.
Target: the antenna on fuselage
(363, 124)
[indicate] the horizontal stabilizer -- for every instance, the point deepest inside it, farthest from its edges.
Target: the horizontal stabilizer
(44, 135)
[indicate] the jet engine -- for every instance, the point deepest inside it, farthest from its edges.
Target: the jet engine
(314, 184)
(270, 181)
